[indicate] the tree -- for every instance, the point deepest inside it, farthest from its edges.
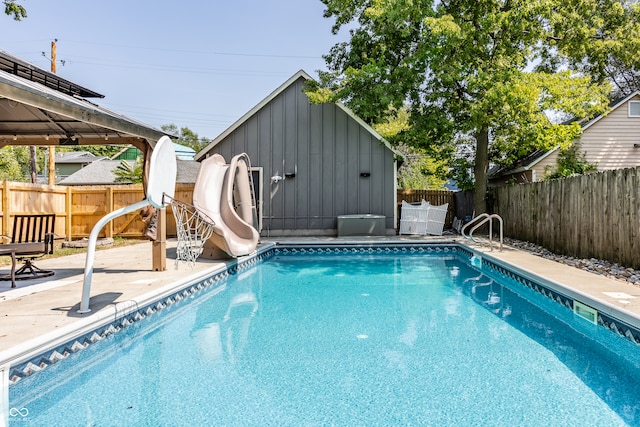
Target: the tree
(186, 137)
(485, 74)
(420, 170)
(10, 167)
(15, 9)
(129, 172)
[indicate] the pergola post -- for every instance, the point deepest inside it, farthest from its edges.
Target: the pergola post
(160, 244)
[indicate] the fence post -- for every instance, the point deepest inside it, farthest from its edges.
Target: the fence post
(109, 195)
(5, 208)
(68, 220)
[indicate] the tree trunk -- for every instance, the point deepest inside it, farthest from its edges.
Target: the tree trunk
(480, 170)
(32, 155)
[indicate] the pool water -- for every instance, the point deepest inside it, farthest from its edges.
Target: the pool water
(353, 339)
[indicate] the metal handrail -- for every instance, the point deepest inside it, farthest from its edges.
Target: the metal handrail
(481, 220)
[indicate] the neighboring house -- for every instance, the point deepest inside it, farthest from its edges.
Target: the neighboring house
(103, 173)
(528, 169)
(131, 153)
(311, 162)
(70, 162)
(610, 141)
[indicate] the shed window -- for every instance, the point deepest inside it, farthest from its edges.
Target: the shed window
(634, 108)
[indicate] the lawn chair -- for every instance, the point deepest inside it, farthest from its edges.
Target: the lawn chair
(436, 217)
(32, 238)
(413, 219)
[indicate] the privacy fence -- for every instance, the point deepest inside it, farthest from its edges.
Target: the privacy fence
(590, 216)
(435, 197)
(78, 209)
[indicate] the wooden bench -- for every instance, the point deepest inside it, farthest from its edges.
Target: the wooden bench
(32, 237)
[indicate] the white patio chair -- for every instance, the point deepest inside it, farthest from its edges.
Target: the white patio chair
(435, 219)
(413, 219)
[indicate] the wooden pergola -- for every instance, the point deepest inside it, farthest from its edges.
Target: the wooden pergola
(38, 108)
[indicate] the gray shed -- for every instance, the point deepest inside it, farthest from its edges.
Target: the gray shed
(311, 163)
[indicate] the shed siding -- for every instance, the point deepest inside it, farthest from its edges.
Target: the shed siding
(327, 149)
(609, 142)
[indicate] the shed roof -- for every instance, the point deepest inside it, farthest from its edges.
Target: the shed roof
(274, 94)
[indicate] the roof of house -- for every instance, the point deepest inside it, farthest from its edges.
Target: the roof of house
(530, 160)
(522, 164)
(612, 106)
(182, 151)
(274, 94)
(103, 172)
(77, 157)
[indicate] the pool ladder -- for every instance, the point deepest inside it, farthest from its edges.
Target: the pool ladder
(479, 221)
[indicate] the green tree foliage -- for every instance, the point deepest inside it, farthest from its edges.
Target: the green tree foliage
(571, 162)
(186, 137)
(466, 70)
(10, 165)
(15, 163)
(12, 8)
(129, 172)
(419, 170)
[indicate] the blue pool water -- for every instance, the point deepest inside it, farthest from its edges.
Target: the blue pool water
(353, 339)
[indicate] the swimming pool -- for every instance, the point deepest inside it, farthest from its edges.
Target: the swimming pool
(348, 336)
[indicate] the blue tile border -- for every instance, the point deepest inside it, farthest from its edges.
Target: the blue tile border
(52, 356)
(617, 326)
(377, 249)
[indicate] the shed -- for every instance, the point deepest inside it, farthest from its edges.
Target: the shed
(311, 163)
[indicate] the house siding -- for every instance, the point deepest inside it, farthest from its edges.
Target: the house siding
(549, 162)
(327, 149)
(609, 141)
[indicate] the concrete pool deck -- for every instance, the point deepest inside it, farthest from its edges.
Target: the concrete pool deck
(44, 311)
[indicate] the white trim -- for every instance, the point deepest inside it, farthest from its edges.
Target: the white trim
(300, 74)
(613, 107)
(629, 109)
(260, 192)
(535, 162)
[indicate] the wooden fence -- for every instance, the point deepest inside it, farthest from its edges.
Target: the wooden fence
(590, 216)
(78, 209)
(435, 197)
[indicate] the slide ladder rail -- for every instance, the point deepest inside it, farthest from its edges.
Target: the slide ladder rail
(479, 221)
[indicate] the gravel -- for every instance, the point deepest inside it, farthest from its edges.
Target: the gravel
(593, 265)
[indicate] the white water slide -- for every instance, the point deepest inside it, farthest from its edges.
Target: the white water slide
(224, 192)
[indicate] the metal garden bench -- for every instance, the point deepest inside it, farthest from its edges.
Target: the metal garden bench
(32, 237)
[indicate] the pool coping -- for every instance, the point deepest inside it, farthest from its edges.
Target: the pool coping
(29, 357)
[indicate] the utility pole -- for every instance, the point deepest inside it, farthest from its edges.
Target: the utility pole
(52, 148)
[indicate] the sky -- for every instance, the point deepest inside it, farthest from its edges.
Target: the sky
(195, 64)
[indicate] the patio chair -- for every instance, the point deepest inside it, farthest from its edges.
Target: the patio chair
(413, 219)
(436, 217)
(32, 237)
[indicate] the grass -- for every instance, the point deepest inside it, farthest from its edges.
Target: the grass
(59, 251)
